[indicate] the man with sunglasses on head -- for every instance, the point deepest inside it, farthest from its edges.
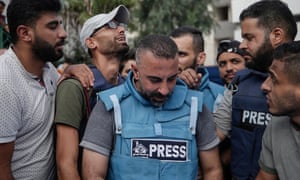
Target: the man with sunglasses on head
(103, 38)
(230, 59)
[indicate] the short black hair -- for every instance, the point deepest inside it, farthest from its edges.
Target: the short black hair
(160, 45)
(272, 14)
(289, 53)
(197, 36)
(27, 12)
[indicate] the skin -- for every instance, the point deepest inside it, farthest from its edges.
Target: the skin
(104, 46)
(255, 40)
(155, 79)
(229, 64)
(282, 94)
(188, 61)
(259, 43)
(282, 98)
(50, 28)
(127, 67)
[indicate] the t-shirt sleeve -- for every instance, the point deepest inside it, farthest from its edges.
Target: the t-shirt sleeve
(11, 116)
(99, 133)
(266, 162)
(70, 103)
(223, 114)
(206, 131)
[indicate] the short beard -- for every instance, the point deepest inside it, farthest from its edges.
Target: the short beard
(45, 51)
(263, 58)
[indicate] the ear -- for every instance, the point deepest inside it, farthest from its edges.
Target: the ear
(90, 43)
(135, 71)
(25, 33)
(277, 36)
(201, 58)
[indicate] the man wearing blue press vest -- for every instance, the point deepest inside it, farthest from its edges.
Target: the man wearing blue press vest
(152, 126)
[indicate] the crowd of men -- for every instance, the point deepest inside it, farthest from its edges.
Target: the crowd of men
(164, 118)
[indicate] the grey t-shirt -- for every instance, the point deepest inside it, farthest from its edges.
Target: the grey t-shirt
(99, 133)
(27, 112)
(280, 149)
(223, 114)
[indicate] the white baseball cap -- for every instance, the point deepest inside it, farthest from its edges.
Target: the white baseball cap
(120, 14)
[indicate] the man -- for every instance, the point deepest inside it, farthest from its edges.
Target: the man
(28, 83)
(152, 126)
(279, 157)
(190, 43)
(243, 111)
(230, 59)
(103, 37)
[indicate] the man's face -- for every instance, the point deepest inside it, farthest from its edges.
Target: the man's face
(155, 77)
(257, 43)
(282, 94)
(110, 41)
(49, 37)
(187, 55)
(229, 63)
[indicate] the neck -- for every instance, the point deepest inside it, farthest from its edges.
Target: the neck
(28, 60)
(109, 67)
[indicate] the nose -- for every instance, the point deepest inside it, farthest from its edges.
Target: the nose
(164, 89)
(62, 33)
(266, 85)
(243, 44)
(228, 67)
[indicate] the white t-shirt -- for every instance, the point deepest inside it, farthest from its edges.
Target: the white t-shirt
(27, 110)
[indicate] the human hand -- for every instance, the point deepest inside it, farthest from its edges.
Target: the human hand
(81, 72)
(191, 78)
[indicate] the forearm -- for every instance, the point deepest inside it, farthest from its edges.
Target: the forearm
(67, 150)
(66, 171)
(211, 164)
(6, 151)
(213, 174)
(94, 165)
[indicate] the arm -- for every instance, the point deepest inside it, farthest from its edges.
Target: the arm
(220, 134)
(97, 142)
(70, 103)
(82, 72)
(6, 151)
(67, 152)
(223, 115)
(94, 165)
(210, 164)
(262, 175)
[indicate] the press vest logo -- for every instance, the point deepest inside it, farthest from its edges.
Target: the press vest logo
(256, 118)
(162, 149)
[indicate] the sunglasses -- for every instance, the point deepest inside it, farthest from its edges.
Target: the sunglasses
(112, 25)
(226, 46)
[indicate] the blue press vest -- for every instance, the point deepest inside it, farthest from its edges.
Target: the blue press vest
(249, 118)
(153, 142)
(212, 92)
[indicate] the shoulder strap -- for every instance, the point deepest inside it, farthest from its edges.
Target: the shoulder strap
(194, 114)
(88, 107)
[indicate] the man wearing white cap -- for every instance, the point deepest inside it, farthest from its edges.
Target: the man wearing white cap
(103, 38)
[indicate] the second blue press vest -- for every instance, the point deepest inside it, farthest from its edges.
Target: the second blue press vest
(249, 118)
